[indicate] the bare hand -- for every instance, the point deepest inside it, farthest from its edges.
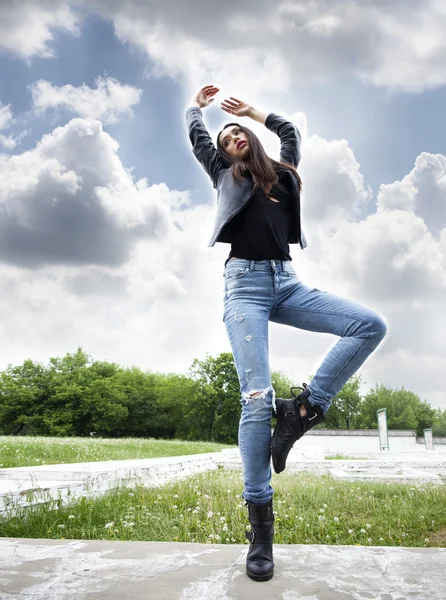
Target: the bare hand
(204, 96)
(236, 107)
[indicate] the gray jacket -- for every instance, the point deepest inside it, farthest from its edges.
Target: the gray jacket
(232, 196)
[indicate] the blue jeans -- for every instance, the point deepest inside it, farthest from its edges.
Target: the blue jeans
(269, 290)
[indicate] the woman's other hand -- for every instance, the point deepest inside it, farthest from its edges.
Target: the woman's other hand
(204, 96)
(236, 107)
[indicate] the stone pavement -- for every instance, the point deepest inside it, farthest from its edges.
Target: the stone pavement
(41, 569)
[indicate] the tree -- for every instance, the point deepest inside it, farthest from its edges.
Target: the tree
(404, 408)
(345, 406)
(220, 391)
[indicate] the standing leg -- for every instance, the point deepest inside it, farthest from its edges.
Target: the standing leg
(248, 301)
(247, 328)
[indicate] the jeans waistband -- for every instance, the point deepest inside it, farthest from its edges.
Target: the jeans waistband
(260, 265)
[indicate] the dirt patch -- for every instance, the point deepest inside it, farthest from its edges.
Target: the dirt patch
(438, 538)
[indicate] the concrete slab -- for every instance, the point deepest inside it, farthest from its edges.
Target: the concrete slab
(40, 569)
(23, 486)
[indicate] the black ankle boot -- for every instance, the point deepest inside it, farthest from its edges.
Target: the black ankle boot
(259, 561)
(290, 426)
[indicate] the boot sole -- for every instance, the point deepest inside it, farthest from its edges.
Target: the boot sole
(276, 467)
(260, 577)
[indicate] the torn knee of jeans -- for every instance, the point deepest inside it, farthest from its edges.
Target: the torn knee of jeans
(255, 395)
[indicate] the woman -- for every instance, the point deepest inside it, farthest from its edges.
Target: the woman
(258, 213)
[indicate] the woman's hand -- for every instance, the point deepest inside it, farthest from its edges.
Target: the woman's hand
(204, 96)
(236, 107)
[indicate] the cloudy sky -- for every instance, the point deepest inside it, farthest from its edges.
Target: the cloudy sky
(105, 214)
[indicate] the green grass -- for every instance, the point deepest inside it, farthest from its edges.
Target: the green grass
(208, 508)
(345, 457)
(27, 451)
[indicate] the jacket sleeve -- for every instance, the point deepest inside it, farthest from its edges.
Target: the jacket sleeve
(202, 145)
(290, 139)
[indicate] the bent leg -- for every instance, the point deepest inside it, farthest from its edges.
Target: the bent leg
(360, 328)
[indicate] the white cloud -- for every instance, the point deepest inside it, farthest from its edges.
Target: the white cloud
(5, 116)
(27, 27)
(109, 102)
(9, 142)
(422, 191)
(70, 200)
(400, 46)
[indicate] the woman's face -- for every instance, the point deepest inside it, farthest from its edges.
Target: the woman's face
(231, 140)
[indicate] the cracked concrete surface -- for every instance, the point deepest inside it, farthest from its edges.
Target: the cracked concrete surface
(40, 569)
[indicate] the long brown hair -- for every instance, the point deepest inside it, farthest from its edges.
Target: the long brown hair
(263, 168)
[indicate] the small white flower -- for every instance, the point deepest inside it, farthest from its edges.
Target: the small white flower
(369, 540)
(61, 526)
(381, 539)
(335, 519)
(222, 519)
(131, 494)
(325, 506)
(350, 530)
(194, 511)
(71, 517)
(368, 525)
(175, 496)
(210, 513)
(206, 496)
(421, 517)
(301, 518)
(426, 540)
(362, 530)
(321, 510)
(108, 525)
(321, 517)
(174, 506)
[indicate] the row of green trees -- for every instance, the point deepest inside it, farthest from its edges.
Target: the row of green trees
(77, 396)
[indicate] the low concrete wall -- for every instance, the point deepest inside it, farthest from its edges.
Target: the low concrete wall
(437, 441)
(356, 441)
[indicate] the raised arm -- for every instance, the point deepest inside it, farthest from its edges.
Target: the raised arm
(202, 145)
(290, 138)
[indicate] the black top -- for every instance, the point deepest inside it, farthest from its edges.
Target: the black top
(260, 230)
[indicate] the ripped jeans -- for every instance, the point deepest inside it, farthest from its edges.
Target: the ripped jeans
(269, 290)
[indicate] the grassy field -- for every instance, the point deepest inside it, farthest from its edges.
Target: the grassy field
(208, 508)
(27, 451)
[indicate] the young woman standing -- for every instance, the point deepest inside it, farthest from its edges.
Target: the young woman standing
(258, 213)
